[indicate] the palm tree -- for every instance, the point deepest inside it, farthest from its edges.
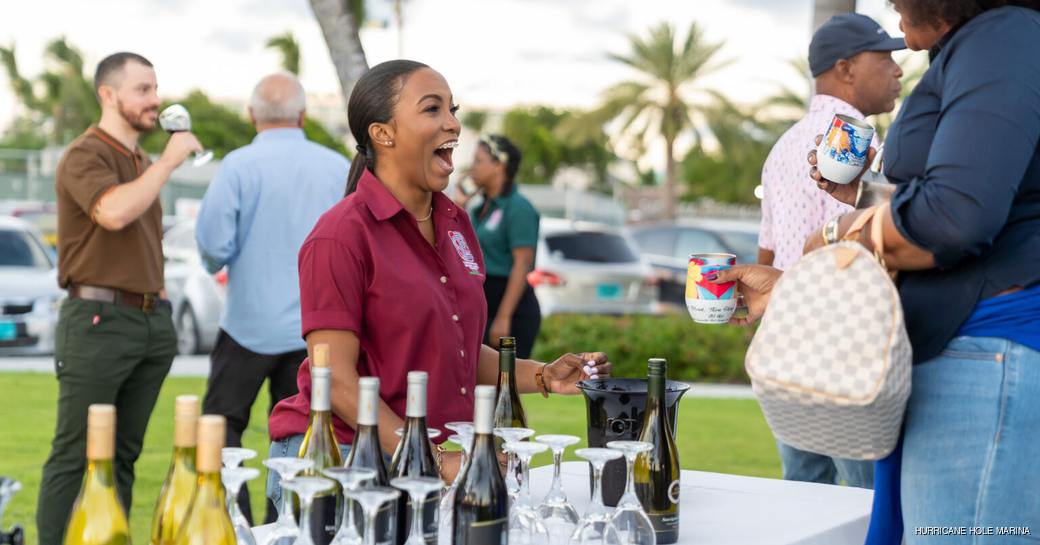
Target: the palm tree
(657, 104)
(66, 105)
(825, 9)
(340, 21)
(289, 49)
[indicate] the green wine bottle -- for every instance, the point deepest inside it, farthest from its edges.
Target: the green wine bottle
(657, 471)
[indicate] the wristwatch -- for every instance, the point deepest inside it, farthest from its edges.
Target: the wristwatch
(830, 230)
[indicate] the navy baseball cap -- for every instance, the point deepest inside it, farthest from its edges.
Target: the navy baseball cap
(846, 35)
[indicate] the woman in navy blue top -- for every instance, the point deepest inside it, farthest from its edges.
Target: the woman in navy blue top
(964, 232)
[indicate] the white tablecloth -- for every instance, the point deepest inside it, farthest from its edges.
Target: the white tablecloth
(717, 509)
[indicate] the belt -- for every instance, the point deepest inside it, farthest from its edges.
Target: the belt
(142, 301)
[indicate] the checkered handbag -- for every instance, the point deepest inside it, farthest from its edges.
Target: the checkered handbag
(830, 363)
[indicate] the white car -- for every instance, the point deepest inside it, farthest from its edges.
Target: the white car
(196, 295)
(29, 292)
(589, 268)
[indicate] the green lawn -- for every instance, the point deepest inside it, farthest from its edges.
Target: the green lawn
(723, 435)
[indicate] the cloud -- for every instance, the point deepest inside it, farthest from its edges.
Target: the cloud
(237, 40)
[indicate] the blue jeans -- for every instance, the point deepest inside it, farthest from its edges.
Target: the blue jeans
(800, 465)
(290, 446)
(971, 446)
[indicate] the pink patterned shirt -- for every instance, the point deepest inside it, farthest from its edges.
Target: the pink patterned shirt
(793, 207)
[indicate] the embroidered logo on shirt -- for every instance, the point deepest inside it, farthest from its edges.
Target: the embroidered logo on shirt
(494, 220)
(459, 241)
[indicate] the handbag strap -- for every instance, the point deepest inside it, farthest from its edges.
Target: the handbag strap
(852, 235)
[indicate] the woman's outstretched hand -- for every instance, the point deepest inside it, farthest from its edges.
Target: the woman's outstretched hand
(755, 282)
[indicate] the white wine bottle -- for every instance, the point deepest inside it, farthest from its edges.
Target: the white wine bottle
(208, 522)
(481, 500)
(319, 445)
(657, 471)
(179, 487)
(98, 517)
(509, 412)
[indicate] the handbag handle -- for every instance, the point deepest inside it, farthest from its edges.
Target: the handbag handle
(877, 213)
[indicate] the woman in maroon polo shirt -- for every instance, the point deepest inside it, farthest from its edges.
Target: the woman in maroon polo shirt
(391, 278)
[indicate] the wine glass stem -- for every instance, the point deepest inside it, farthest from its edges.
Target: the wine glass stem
(348, 510)
(305, 518)
(525, 489)
(630, 461)
(557, 484)
(417, 517)
(370, 525)
(285, 516)
(597, 494)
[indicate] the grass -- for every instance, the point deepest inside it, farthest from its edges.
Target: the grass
(721, 435)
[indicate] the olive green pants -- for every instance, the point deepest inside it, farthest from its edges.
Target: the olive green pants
(104, 353)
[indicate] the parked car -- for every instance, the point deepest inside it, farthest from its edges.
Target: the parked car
(29, 292)
(197, 296)
(590, 268)
(667, 247)
(41, 215)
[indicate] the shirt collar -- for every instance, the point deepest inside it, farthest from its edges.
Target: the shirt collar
(830, 104)
(113, 142)
(286, 133)
(945, 39)
(384, 205)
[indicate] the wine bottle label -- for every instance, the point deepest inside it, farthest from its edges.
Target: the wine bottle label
(323, 519)
(666, 526)
(673, 492)
(489, 532)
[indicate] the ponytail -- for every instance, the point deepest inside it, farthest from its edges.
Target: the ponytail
(357, 168)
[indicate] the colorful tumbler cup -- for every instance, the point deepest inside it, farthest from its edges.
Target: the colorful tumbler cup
(843, 152)
(708, 302)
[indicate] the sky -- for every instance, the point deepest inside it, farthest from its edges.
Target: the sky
(494, 53)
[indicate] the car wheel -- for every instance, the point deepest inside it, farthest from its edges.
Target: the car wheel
(187, 332)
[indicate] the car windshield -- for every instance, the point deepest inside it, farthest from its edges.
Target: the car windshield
(591, 246)
(744, 245)
(19, 249)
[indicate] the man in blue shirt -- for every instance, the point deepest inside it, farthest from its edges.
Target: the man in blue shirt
(263, 203)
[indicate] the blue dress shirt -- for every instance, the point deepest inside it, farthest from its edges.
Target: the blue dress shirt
(262, 204)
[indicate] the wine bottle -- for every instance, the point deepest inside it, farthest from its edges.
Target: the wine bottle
(367, 452)
(319, 445)
(208, 522)
(414, 458)
(481, 500)
(98, 517)
(509, 412)
(657, 471)
(179, 487)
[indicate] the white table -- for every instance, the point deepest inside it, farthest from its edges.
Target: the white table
(719, 509)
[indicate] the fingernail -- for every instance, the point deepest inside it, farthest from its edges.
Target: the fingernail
(711, 276)
(591, 363)
(590, 370)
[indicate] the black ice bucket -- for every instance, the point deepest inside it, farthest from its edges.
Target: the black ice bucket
(615, 409)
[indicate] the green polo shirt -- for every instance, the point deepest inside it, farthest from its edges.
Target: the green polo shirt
(511, 222)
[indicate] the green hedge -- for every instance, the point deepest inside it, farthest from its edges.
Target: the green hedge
(702, 353)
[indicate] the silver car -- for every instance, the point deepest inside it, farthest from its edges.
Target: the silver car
(196, 295)
(29, 292)
(589, 268)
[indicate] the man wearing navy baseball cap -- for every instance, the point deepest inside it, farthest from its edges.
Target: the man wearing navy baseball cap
(851, 60)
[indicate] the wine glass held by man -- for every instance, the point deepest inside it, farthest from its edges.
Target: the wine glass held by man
(391, 277)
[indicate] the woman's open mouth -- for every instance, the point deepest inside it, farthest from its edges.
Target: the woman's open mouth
(442, 155)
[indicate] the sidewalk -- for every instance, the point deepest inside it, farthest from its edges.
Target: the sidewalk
(198, 366)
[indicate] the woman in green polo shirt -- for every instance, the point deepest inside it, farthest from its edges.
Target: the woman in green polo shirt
(507, 228)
